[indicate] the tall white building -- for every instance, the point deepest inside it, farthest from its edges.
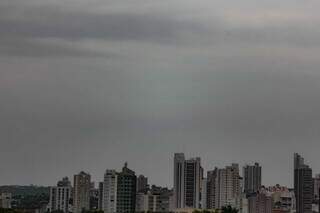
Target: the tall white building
(223, 186)
(233, 182)
(109, 204)
(81, 198)
(60, 196)
(187, 181)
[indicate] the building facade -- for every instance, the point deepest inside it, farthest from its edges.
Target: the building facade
(109, 198)
(223, 187)
(119, 191)
(5, 200)
(156, 199)
(303, 185)
(60, 196)
(94, 197)
(187, 181)
(126, 190)
(260, 202)
(283, 198)
(316, 187)
(204, 194)
(252, 178)
(142, 183)
(81, 198)
(178, 181)
(100, 201)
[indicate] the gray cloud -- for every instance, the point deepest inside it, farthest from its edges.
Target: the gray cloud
(91, 85)
(24, 47)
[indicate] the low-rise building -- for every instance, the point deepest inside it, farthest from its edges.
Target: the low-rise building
(260, 202)
(5, 200)
(156, 199)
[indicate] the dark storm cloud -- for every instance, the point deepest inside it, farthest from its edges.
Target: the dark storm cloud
(72, 25)
(21, 34)
(89, 85)
(53, 22)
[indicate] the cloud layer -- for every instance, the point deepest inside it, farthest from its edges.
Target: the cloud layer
(88, 85)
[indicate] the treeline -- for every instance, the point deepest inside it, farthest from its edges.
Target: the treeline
(2, 210)
(225, 209)
(32, 190)
(27, 197)
(29, 201)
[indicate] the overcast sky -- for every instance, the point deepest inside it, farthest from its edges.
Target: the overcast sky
(90, 84)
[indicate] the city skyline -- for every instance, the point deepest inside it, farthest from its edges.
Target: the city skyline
(89, 85)
(203, 171)
(126, 191)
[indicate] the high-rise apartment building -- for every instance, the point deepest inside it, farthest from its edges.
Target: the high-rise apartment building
(316, 187)
(212, 189)
(193, 180)
(81, 198)
(100, 199)
(119, 191)
(223, 186)
(178, 181)
(94, 197)
(109, 198)
(187, 181)
(204, 193)
(252, 178)
(303, 185)
(142, 183)
(60, 196)
(126, 190)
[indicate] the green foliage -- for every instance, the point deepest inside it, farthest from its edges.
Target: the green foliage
(205, 211)
(57, 211)
(25, 190)
(27, 197)
(92, 211)
(31, 201)
(2, 210)
(229, 209)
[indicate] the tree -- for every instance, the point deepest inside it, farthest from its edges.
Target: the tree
(92, 211)
(229, 209)
(57, 211)
(3, 210)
